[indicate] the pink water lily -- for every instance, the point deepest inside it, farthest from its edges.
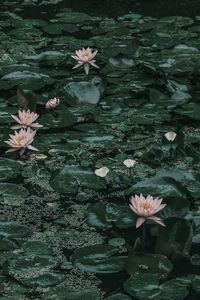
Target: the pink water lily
(26, 119)
(21, 140)
(146, 208)
(85, 58)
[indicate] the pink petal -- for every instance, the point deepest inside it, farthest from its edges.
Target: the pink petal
(16, 127)
(78, 52)
(16, 119)
(75, 57)
(93, 64)
(12, 150)
(139, 222)
(156, 219)
(32, 148)
(36, 125)
(133, 209)
(161, 206)
(78, 65)
(134, 203)
(94, 54)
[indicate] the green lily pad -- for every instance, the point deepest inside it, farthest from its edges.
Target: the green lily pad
(25, 80)
(50, 57)
(9, 169)
(190, 110)
(146, 286)
(73, 17)
(175, 239)
(84, 92)
(61, 292)
(37, 248)
(7, 245)
(98, 259)
(34, 270)
(12, 194)
(148, 263)
(103, 215)
(14, 230)
(70, 177)
(118, 296)
(64, 119)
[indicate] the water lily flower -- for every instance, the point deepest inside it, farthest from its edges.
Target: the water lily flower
(85, 58)
(21, 140)
(26, 119)
(52, 103)
(129, 163)
(102, 172)
(146, 208)
(170, 136)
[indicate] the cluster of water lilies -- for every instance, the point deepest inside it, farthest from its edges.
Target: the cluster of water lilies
(23, 139)
(145, 208)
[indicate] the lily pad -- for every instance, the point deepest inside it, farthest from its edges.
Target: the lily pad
(61, 292)
(9, 169)
(25, 80)
(98, 259)
(12, 194)
(13, 230)
(146, 286)
(71, 177)
(148, 263)
(84, 92)
(175, 239)
(34, 270)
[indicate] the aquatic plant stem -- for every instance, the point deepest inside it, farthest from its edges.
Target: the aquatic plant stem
(144, 236)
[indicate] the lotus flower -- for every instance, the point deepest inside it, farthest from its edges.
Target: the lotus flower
(85, 58)
(170, 136)
(21, 140)
(146, 208)
(52, 103)
(129, 163)
(26, 119)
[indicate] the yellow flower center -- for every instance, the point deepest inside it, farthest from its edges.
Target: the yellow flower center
(146, 205)
(21, 138)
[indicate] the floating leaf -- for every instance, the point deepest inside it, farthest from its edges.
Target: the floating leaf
(98, 259)
(175, 239)
(12, 194)
(148, 263)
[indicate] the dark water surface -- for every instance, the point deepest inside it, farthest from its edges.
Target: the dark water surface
(112, 8)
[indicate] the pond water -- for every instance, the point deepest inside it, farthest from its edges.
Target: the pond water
(128, 127)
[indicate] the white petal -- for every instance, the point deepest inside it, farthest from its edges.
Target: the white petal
(102, 172)
(129, 163)
(170, 136)
(86, 68)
